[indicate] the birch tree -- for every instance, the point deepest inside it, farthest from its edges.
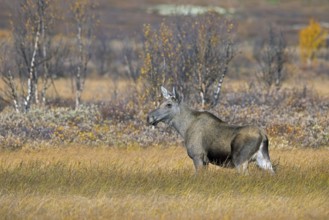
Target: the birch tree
(10, 90)
(32, 21)
(192, 54)
(84, 20)
(271, 56)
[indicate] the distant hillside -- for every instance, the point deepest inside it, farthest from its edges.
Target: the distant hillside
(122, 18)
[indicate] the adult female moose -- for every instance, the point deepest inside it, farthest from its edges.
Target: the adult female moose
(210, 140)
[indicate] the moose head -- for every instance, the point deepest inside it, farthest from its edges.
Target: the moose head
(167, 109)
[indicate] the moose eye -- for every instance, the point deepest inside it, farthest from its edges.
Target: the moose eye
(169, 105)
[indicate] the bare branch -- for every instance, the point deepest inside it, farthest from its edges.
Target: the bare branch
(84, 21)
(191, 53)
(271, 56)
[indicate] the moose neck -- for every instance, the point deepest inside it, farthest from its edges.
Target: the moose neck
(182, 121)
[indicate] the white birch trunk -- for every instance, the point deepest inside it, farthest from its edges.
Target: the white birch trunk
(31, 80)
(219, 88)
(78, 84)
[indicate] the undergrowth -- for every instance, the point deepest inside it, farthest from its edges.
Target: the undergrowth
(292, 118)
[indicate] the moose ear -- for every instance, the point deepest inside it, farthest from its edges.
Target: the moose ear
(165, 93)
(175, 94)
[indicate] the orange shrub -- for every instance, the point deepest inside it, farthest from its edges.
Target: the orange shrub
(311, 39)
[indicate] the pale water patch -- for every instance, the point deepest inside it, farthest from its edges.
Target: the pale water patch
(172, 9)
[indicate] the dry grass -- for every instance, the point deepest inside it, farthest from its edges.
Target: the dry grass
(97, 89)
(154, 183)
(103, 89)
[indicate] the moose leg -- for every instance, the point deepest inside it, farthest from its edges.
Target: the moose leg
(243, 148)
(198, 164)
(243, 168)
(240, 162)
(197, 154)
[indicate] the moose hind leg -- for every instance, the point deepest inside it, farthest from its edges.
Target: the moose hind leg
(243, 149)
(243, 168)
(240, 163)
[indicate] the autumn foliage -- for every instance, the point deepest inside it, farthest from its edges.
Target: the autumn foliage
(311, 39)
(190, 53)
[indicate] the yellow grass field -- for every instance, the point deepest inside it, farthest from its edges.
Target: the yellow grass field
(79, 182)
(102, 89)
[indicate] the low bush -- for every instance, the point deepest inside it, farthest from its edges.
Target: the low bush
(294, 118)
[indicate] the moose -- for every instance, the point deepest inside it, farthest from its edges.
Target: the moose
(208, 139)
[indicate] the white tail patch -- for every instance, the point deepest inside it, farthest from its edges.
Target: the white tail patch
(263, 160)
